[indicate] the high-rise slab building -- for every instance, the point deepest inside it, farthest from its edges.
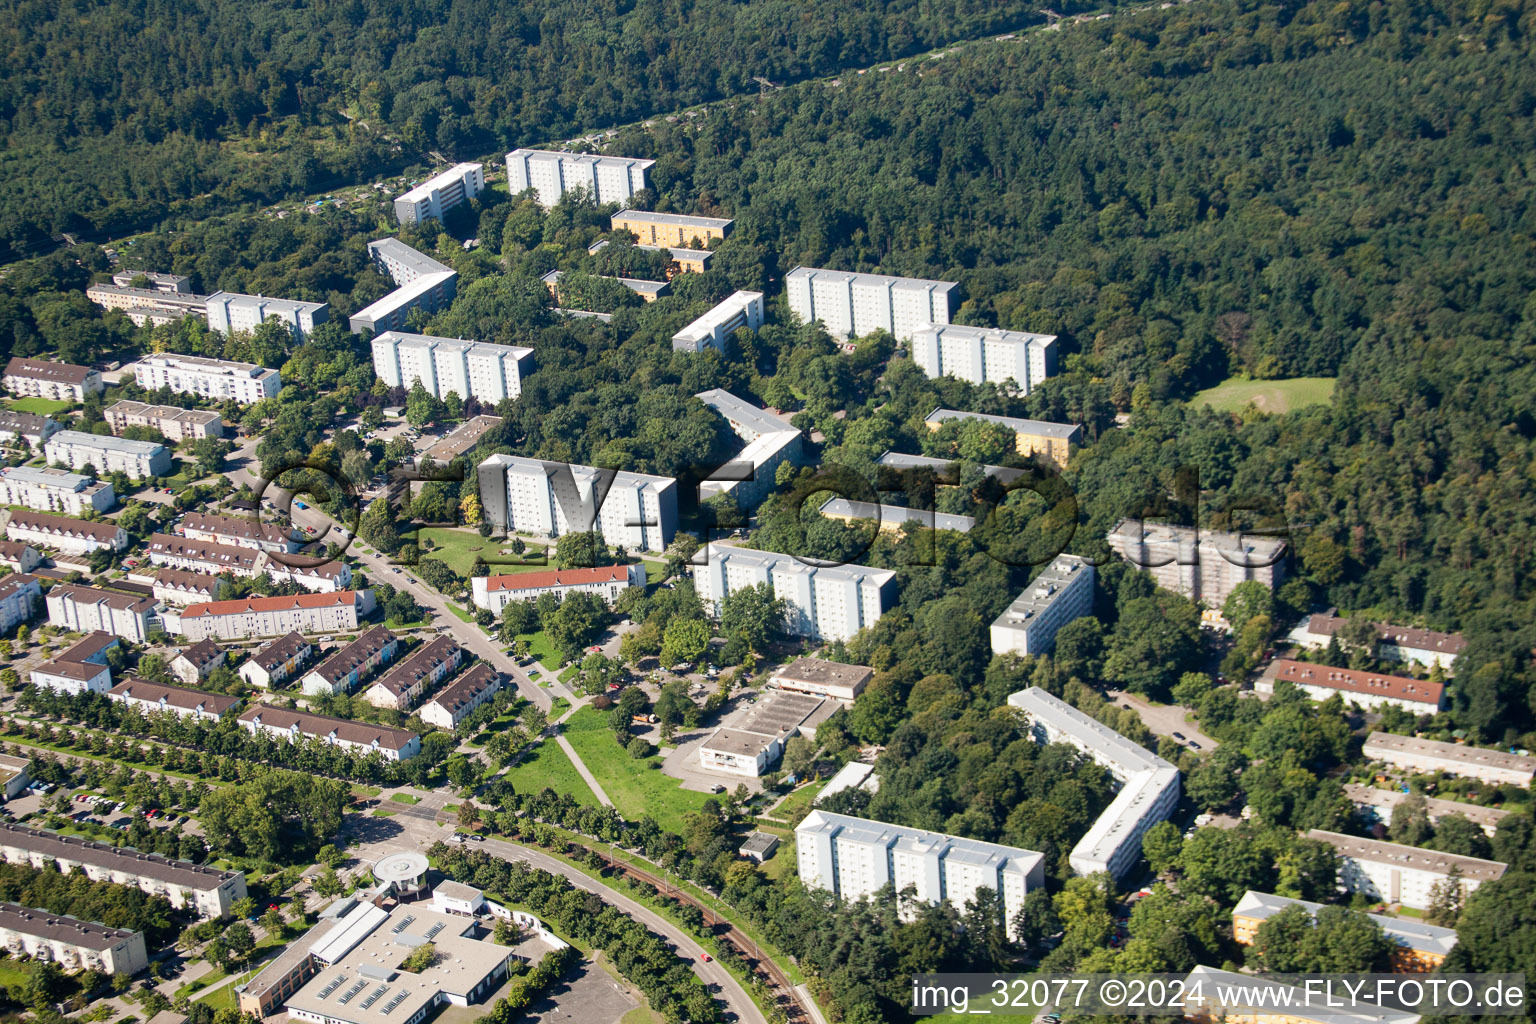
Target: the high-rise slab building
(230, 311)
(1202, 565)
(985, 354)
(551, 174)
(424, 283)
(470, 369)
(853, 305)
(1062, 592)
(440, 193)
(830, 602)
(217, 380)
(637, 511)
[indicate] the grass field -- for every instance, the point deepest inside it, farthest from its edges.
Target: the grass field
(540, 647)
(458, 548)
(39, 406)
(1267, 395)
(796, 802)
(548, 766)
(404, 798)
(635, 788)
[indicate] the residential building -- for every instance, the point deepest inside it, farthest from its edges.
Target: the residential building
(276, 661)
(229, 312)
(1212, 995)
(551, 174)
(343, 669)
(323, 577)
(139, 459)
(460, 440)
(459, 698)
(822, 678)
(153, 698)
(771, 440)
(203, 556)
(634, 511)
(1055, 441)
(899, 463)
(173, 423)
(91, 649)
(19, 557)
(60, 533)
(753, 739)
(84, 609)
(1394, 873)
(32, 429)
(1063, 591)
(738, 310)
(444, 366)
(1149, 785)
(54, 490)
(650, 291)
(493, 593)
(1419, 948)
(1202, 565)
(40, 378)
(854, 857)
(237, 531)
(213, 380)
(207, 891)
(824, 602)
(891, 518)
(72, 677)
(440, 193)
(1424, 756)
(405, 684)
(985, 355)
(73, 944)
(197, 662)
(1368, 689)
(185, 586)
(15, 776)
(687, 261)
(151, 306)
(358, 738)
(669, 229)
(1406, 644)
(423, 283)
(167, 284)
(853, 305)
(1380, 806)
(271, 616)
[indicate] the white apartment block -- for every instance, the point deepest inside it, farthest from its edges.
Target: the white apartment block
(325, 578)
(1204, 566)
(139, 459)
(354, 737)
(276, 661)
(1425, 756)
(19, 557)
(738, 310)
(34, 430)
(985, 354)
(493, 593)
(84, 609)
(404, 684)
(167, 284)
(229, 312)
(853, 305)
(215, 380)
(72, 677)
(174, 423)
(607, 179)
(148, 305)
(237, 531)
(182, 586)
(550, 499)
(71, 943)
(207, 891)
(440, 193)
(1149, 785)
(470, 369)
(65, 535)
(1381, 805)
(823, 602)
(1367, 689)
(158, 698)
(54, 490)
(1062, 592)
(42, 378)
(20, 596)
(1394, 873)
(202, 556)
(1406, 644)
(771, 441)
(456, 700)
(422, 283)
(855, 857)
(270, 616)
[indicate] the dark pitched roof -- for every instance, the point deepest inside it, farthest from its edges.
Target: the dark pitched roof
(344, 660)
(324, 725)
(176, 696)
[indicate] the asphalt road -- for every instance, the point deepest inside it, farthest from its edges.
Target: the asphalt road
(1165, 719)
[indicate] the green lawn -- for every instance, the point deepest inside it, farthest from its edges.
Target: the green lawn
(404, 798)
(458, 548)
(635, 788)
(655, 572)
(220, 999)
(39, 406)
(1267, 395)
(796, 802)
(548, 766)
(540, 647)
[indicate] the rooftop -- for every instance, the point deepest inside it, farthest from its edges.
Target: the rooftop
(1370, 684)
(248, 605)
(396, 251)
(243, 527)
(569, 157)
(273, 655)
(759, 843)
(226, 367)
(558, 578)
(81, 594)
(743, 414)
(134, 688)
(204, 652)
(43, 369)
(77, 670)
(59, 928)
(162, 412)
(48, 476)
(897, 514)
(865, 279)
(1214, 985)
(450, 176)
(1042, 591)
(14, 581)
(187, 579)
(1388, 799)
(1405, 931)
(420, 664)
(196, 877)
(919, 841)
(345, 729)
(1455, 753)
(773, 561)
(819, 670)
(343, 661)
(91, 645)
(672, 219)
(23, 422)
(1412, 637)
(466, 688)
(226, 556)
(1035, 428)
(1409, 857)
(992, 334)
(897, 460)
(106, 443)
(1136, 531)
(464, 437)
